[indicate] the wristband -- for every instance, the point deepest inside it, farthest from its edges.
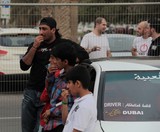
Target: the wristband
(64, 103)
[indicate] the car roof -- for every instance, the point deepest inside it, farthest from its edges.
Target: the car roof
(10, 31)
(127, 64)
(120, 35)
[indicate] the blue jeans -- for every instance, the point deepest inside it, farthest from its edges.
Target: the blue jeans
(31, 109)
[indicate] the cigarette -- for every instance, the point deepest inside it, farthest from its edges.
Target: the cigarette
(58, 104)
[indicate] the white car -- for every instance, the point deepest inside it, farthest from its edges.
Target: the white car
(13, 45)
(120, 44)
(127, 95)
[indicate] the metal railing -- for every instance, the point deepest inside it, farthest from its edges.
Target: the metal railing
(74, 20)
(118, 15)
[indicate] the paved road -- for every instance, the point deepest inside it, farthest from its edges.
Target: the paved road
(10, 112)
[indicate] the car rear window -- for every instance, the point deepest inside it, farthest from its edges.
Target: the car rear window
(131, 96)
(17, 40)
(120, 43)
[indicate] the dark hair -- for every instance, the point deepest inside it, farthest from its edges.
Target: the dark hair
(65, 51)
(154, 23)
(81, 74)
(57, 34)
(81, 53)
(51, 22)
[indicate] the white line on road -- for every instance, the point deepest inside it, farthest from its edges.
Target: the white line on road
(9, 118)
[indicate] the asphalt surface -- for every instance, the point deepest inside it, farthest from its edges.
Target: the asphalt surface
(10, 112)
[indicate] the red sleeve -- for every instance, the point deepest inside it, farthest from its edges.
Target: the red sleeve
(44, 96)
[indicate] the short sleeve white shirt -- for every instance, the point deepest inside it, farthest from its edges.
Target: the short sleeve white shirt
(142, 45)
(83, 115)
(90, 40)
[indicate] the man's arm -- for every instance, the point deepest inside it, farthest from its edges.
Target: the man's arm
(134, 51)
(64, 95)
(28, 58)
(109, 54)
(64, 112)
(95, 48)
(134, 47)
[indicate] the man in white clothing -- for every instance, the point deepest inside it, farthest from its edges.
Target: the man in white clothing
(83, 114)
(96, 42)
(142, 42)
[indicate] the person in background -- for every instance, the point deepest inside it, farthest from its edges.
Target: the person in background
(64, 61)
(142, 42)
(37, 58)
(83, 114)
(154, 49)
(96, 42)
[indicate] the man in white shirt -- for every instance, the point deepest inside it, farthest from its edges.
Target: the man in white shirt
(142, 42)
(83, 114)
(96, 43)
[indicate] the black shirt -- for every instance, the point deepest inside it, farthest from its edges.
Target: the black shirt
(154, 49)
(39, 65)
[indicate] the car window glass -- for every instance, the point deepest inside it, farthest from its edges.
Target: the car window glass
(5, 41)
(120, 43)
(17, 40)
(131, 96)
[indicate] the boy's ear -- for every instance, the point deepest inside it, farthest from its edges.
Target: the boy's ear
(78, 83)
(66, 62)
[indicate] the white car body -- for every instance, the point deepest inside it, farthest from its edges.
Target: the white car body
(109, 66)
(10, 61)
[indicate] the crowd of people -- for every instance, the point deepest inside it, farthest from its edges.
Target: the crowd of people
(53, 61)
(145, 44)
(57, 96)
